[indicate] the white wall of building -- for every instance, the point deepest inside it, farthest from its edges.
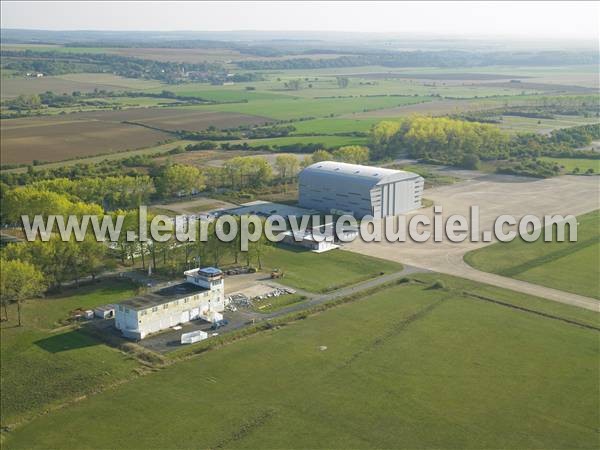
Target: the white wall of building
(360, 190)
(139, 322)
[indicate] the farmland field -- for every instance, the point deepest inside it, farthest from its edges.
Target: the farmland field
(55, 138)
(234, 93)
(44, 364)
(85, 82)
(529, 125)
(482, 375)
(434, 108)
(161, 148)
(325, 141)
(173, 119)
(568, 266)
(329, 126)
(98, 104)
(295, 108)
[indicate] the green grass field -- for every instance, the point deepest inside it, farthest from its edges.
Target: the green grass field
(44, 364)
(329, 126)
(325, 141)
(106, 104)
(568, 266)
(324, 272)
(530, 125)
(223, 93)
(570, 164)
(407, 367)
(308, 107)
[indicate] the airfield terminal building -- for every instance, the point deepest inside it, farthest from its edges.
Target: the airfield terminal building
(342, 188)
(200, 296)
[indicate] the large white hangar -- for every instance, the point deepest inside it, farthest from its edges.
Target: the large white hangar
(336, 187)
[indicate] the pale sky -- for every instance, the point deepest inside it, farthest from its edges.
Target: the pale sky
(557, 20)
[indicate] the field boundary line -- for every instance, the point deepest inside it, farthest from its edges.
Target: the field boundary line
(528, 310)
(395, 330)
(150, 127)
(547, 258)
(246, 428)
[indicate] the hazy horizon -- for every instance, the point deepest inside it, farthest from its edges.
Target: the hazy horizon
(513, 20)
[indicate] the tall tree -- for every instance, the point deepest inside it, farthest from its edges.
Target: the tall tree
(342, 82)
(354, 154)
(287, 166)
(178, 179)
(321, 155)
(20, 280)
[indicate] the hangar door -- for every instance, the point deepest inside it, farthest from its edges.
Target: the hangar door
(394, 199)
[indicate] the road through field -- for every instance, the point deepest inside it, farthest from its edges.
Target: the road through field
(495, 195)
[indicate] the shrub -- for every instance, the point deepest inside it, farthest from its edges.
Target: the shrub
(470, 161)
(438, 284)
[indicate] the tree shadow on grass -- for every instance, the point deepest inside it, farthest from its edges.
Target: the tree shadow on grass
(71, 340)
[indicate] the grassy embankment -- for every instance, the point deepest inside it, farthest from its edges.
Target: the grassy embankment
(568, 266)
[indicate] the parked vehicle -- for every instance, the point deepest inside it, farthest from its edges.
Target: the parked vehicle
(218, 324)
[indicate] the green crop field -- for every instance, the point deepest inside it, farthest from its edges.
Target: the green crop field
(529, 125)
(222, 93)
(84, 82)
(329, 126)
(296, 108)
(44, 363)
(571, 164)
(324, 272)
(406, 367)
(325, 141)
(568, 266)
(358, 87)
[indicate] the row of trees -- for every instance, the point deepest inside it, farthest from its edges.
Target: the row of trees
(437, 138)
(425, 59)
(28, 269)
(245, 172)
(111, 192)
(354, 154)
(92, 195)
(32, 201)
(464, 143)
(56, 63)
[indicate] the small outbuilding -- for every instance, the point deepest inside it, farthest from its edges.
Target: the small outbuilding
(105, 311)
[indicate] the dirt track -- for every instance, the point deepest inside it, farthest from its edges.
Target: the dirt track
(495, 195)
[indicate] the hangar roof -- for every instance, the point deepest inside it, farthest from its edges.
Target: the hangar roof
(360, 174)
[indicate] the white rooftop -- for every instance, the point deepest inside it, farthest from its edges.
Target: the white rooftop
(370, 174)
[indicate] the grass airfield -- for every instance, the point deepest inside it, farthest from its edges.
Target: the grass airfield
(407, 367)
(568, 266)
